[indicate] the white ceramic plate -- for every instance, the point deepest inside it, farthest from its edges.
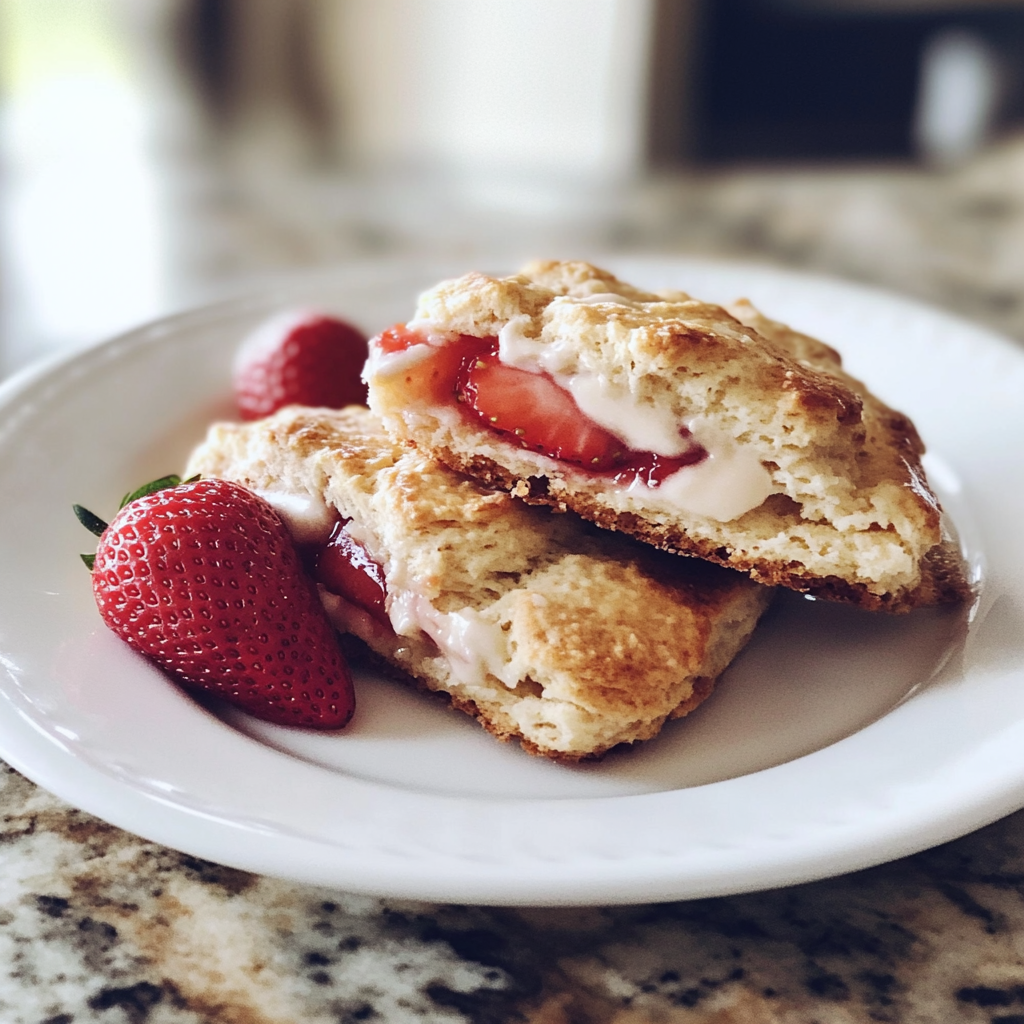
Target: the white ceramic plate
(837, 740)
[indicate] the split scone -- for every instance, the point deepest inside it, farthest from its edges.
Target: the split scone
(544, 628)
(714, 433)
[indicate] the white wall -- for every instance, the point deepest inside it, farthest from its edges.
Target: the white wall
(511, 86)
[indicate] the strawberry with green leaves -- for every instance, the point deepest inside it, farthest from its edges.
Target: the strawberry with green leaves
(204, 579)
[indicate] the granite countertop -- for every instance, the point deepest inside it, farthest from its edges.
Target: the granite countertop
(97, 925)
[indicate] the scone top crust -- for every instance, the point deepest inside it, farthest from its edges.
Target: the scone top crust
(781, 392)
(656, 338)
(848, 515)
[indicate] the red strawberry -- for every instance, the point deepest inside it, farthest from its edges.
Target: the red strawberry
(204, 579)
(300, 359)
(534, 409)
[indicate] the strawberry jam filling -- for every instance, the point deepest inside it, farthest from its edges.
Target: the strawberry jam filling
(529, 409)
(345, 568)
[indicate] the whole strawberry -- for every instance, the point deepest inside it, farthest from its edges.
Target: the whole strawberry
(204, 579)
(300, 359)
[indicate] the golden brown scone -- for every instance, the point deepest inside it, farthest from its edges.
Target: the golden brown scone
(801, 476)
(568, 638)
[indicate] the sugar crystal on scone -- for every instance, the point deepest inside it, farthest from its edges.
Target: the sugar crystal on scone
(705, 431)
(568, 638)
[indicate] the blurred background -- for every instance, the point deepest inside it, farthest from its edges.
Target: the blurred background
(160, 153)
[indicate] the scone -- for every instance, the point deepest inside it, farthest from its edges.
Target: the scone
(568, 638)
(708, 432)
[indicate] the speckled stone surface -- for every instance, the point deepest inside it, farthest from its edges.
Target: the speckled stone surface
(100, 927)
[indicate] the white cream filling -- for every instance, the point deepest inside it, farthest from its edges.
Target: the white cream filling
(730, 481)
(472, 646)
(644, 428)
(308, 517)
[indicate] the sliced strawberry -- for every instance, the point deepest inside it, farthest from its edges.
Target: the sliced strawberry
(433, 376)
(535, 411)
(344, 568)
(300, 359)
